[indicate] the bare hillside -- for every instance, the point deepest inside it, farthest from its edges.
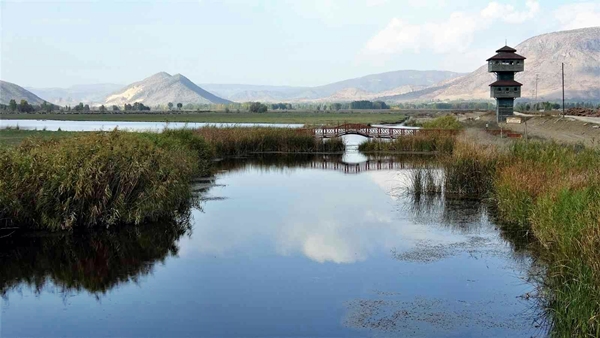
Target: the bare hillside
(162, 88)
(10, 91)
(579, 49)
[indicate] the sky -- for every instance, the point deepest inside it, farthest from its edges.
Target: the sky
(276, 42)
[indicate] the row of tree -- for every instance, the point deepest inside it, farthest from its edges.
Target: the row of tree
(258, 107)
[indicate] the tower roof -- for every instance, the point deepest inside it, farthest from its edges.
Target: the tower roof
(507, 56)
(506, 83)
(506, 49)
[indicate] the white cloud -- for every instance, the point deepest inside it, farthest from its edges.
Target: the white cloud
(579, 15)
(508, 13)
(456, 33)
(374, 3)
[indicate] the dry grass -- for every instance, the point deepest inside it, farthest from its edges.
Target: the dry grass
(96, 179)
(420, 142)
(238, 141)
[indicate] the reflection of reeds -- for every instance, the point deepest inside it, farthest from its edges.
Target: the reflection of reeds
(94, 261)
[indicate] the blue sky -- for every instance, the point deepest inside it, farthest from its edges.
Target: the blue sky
(277, 42)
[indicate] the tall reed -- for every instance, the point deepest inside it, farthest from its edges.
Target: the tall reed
(420, 142)
(238, 141)
(96, 179)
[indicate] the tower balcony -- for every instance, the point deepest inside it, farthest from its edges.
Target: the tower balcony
(505, 92)
(506, 66)
(505, 89)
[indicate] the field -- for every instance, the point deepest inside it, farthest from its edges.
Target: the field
(303, 117)
(11, 137)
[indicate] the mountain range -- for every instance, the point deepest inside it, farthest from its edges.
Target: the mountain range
(578, 49)
(10, 91)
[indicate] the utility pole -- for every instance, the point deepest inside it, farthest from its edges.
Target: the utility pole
(536, 86)
(563, 88)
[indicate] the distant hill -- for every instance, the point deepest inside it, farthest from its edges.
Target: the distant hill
(10, 91)
(579, 49)
(88, 94)
(162, 88)
(366, 87)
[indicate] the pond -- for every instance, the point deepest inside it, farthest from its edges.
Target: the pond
(311, 246)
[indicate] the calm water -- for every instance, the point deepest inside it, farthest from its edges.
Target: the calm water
(280, 248)
(123, 125)
(137, 126)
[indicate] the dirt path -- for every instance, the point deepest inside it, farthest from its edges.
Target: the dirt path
(563, 130)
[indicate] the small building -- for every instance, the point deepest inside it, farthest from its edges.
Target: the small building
(505, 89)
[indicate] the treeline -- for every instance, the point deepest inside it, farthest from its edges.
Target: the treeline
(547, 106)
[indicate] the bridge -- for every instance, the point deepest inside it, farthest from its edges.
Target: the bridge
(374, 132)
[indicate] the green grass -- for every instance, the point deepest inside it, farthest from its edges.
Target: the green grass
(303, 117)
(421, 142)
(552, 192)
(11, 137)
(237, 141)
(443, 122)
(99, 179)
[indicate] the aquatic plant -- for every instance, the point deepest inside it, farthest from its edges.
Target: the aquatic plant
(419, 142)
(552, 192)
(97, 179)
(237, 141)
(443, 122)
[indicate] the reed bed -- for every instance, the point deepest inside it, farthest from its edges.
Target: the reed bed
(98, 179)
(239, 141)
(420, 142)
(551, 192)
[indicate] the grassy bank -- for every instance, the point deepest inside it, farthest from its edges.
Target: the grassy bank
(547, 191)
(244, 141)
(99, 179)
(301, 117)
(11, 136)
(59, 181)
(421, 142)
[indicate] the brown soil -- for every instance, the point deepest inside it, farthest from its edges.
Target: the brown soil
(555, 128)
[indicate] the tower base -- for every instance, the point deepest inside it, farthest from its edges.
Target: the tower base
(504, 109)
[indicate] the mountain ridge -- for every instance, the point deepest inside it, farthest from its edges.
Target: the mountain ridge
(10, 91)
(161, 88)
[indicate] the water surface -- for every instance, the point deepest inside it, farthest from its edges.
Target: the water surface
(281, 248)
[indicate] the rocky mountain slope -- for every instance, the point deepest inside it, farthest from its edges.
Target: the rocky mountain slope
(579, 50)
(366, 87)
(10, 91)
(161, 88)
(89, 94)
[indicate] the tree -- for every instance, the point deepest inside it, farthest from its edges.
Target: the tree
(102, 108)
(86, 108)
(79, 107)
(179, 105)
(257, 107)
(115, 108)
(12, 105)
(170, 105)
(25, 107)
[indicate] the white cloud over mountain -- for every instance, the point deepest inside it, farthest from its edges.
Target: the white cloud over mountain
(580, 15)
(456, 33)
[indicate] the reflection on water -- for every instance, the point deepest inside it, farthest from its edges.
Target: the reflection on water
(284, 246)
(95, 262)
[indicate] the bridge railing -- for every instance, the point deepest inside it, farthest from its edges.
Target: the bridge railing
(374, 132)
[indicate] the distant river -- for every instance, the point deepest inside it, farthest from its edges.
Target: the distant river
(52, 125)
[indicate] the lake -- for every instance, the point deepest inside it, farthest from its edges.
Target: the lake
(52, 125)
(281, 246)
